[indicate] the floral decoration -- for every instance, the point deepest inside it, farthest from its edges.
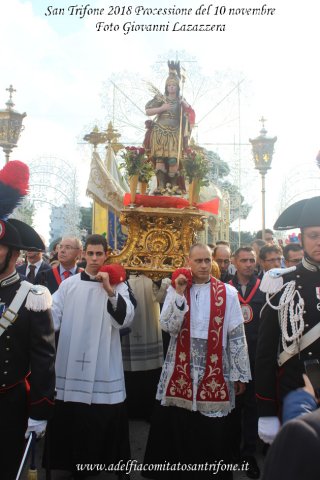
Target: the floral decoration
(146, 172)
(135, 162)
(196, 166)
(133, 158)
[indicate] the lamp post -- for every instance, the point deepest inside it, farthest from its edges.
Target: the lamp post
(262, 150)
(10, 125)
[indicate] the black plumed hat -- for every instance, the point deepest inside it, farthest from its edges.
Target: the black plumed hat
(302, 214)
(30, 239)
(14, 182)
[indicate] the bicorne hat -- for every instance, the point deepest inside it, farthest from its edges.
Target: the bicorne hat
(14, 183)
(302, 214)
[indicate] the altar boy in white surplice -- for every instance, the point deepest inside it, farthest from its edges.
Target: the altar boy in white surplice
(90, 423)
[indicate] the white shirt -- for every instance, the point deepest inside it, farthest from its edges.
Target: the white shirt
(37, 265)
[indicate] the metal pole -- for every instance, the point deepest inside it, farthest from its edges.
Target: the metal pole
(93, 217)
(263, 193)
(239, 172)
(24, 457)
(7, 152)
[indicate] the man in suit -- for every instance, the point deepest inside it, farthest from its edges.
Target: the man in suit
(34, 268)
(69, 252)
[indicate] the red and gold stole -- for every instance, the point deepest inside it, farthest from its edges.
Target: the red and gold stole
(212, 391)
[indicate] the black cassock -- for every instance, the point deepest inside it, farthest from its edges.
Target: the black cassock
(81, 433)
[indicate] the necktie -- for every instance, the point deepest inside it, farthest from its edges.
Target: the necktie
(66, 274)
(31, 274)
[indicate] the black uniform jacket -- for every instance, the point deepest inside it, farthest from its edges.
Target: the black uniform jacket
(28, 346)
(273, 382)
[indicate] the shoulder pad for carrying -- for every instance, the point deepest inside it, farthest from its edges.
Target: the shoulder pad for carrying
(38, 299)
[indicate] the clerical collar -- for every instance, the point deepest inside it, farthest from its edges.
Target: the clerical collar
(92, 277)
(205, 283)
(10, 279)
(310, 265)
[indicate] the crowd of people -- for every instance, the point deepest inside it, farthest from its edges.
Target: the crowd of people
(229, 369)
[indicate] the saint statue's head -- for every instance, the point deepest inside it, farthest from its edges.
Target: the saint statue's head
(173, 79)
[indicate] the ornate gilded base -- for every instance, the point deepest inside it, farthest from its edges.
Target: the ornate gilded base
(158, 239)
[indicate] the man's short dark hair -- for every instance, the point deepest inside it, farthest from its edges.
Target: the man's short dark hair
(220, 246)
(198, 245)
(96, 239)
(269, 249)
(291, 247)
(259, 233)
(245, 248)
(222, 242)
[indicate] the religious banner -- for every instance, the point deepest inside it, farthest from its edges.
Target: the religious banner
(102, 187)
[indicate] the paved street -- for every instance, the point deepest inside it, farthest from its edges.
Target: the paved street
(138, 435)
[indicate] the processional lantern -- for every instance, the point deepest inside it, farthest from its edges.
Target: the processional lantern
(262, 150)
(10, 125)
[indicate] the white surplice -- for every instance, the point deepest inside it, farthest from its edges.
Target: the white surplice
(89, 363)
(235, 357)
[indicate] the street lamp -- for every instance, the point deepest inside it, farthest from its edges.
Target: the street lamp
(262, 150)
(10, 126)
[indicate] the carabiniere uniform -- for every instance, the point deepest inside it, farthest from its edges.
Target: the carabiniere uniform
(25, 345)
(27, 352)
(277, 375)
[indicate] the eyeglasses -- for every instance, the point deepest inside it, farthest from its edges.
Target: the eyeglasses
(294, 260)
(312, 236)
(277, 259)
(67, 247)
(226, 262)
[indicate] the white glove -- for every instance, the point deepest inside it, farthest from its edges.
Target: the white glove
(37, 426)
(268, 427)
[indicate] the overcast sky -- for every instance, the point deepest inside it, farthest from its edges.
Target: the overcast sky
(59, 65)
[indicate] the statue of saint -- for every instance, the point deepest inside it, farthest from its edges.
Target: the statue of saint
(168, 135)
